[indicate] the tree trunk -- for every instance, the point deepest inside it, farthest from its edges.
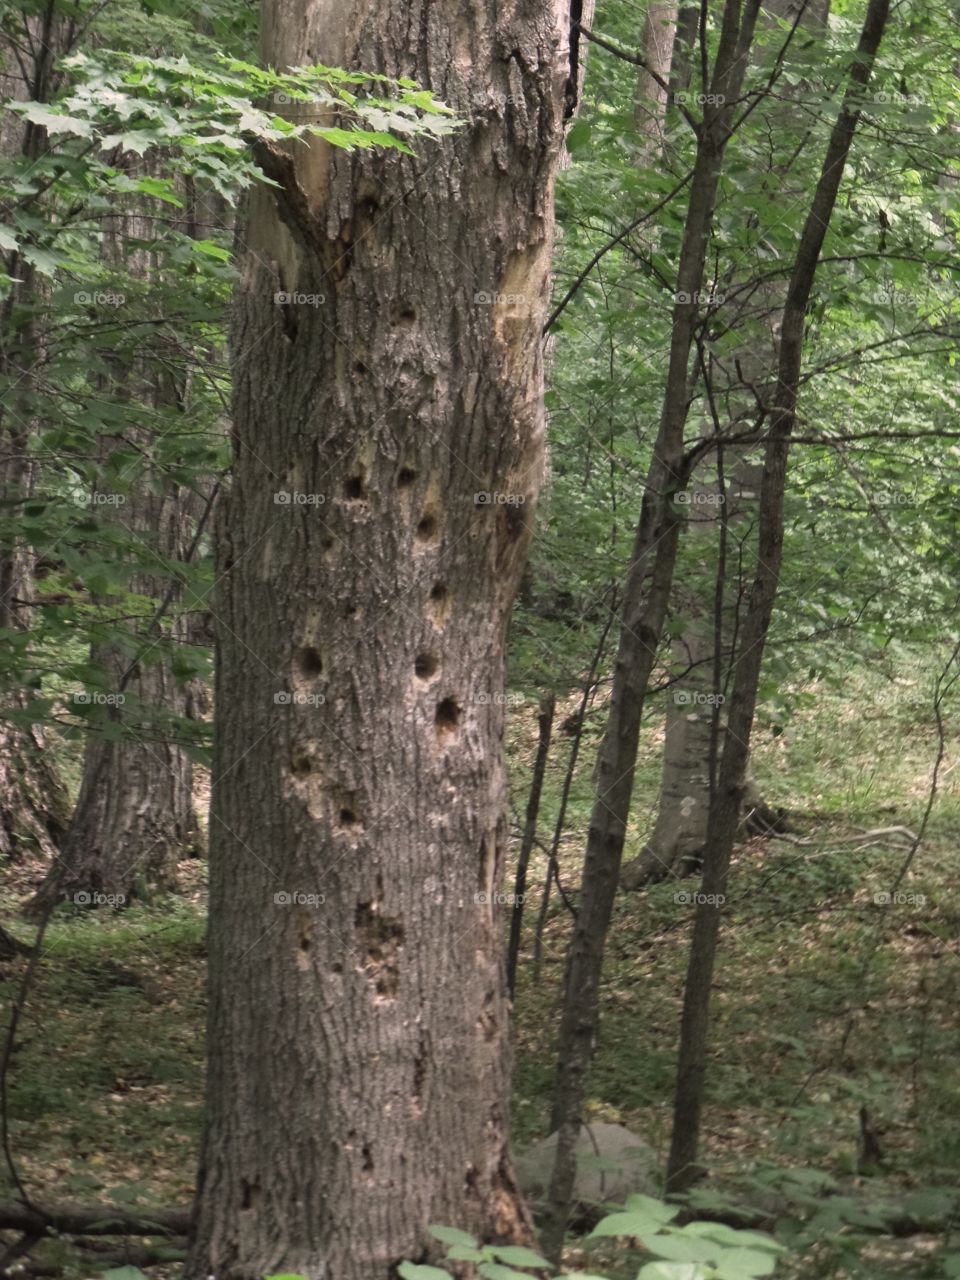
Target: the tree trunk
(712, 594)
(709, 599)
(588, 693)
(33, 800)
(358, 1046)
(643, 612)
(548, 705)
(725, 810)
(657, 41)
(134, 817)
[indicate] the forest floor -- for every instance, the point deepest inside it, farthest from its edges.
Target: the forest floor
(826, 1002)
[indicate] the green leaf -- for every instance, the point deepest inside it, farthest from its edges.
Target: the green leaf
(679, 1248)
(418, 1271)
(655, 1209)
(933, 1203)
(671, 1271)
(737, 1264)
(518, 1256)
(45, 260)
(626, 1224)
(494, 1271)
(732, 1237)
(160, 188)
(123, 1273)
(138, 141)
(349, 139)
(210, 250)
(452, 1235)
(7, 239)
(52, 121)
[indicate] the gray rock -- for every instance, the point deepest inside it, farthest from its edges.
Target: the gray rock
(612, 1163)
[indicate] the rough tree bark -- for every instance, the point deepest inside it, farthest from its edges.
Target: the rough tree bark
(725, 810)
(33, 800)
(643, 612)
(134, 817)
(358, 1046)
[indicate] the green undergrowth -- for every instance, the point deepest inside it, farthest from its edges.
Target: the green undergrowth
(104, 1095)
(826, 1002)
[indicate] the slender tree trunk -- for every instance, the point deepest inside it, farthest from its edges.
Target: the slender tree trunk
(358, 1039)
(33, 800)
(657, 42)
(691, 1069)
(643, 613)
(684, 40)
(709, 598)
(545, 725)
(590, 686)
(701, 656)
